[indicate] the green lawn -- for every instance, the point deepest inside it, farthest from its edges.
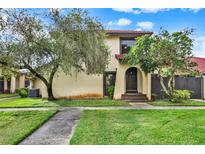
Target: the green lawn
(31, 102)
(94, 103)
(26, 102)
(183, 103)
(140, 127)
(16, 125)
(7, 95)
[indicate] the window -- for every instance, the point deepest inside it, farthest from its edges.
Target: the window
(126, 44)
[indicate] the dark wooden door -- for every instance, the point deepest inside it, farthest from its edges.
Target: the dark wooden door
(131, 80)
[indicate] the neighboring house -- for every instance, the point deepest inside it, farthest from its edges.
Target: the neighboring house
(130, 82)
(9, 85)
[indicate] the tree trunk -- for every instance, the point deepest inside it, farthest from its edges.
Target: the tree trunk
(49, 82)
(163, 86)
(171, 85)
(50, 92)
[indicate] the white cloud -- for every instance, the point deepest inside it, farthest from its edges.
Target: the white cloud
(142, 10)
(120, 22)
(146, 25)
(199, 46)
(152, 10)
(194, 10)
(127, 10)
(138, 29)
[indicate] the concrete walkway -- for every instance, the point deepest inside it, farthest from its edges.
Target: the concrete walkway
(145, 107)
(58, 130)
(12, 97)
(134, 106)
(199, 100)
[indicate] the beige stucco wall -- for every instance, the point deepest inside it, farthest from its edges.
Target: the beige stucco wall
(38, 84)
(114, 44)
(144, 81)
(22, 81)
(77, 84)
(66, 85)
(13, 84)
(139, 81)
(17, 83)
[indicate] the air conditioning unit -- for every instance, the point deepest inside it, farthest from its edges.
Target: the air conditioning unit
(33, 93)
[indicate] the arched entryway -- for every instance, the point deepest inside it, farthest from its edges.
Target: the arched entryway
(131, 80)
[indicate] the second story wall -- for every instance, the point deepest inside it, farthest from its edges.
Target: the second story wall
(113, 43)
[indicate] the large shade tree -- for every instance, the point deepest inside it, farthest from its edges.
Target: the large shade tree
(167, 54)
(52, 40)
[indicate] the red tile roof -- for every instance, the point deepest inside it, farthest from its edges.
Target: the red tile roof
(114, 32)
(200, 62)
(118, 56)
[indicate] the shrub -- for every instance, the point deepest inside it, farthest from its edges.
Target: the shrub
(88, 96)
(111, 91)
(180, 95)
(153, 96)
(23, 92)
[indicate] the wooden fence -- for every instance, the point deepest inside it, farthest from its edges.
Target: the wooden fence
(193, 84)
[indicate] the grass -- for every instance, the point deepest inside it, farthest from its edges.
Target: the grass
(7, 95)
(17, 125)
(26, 102)
(183, 103)
(140, 127)
(31, 102)
(91, 103)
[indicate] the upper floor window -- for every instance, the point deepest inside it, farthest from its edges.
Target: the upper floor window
(126, 44)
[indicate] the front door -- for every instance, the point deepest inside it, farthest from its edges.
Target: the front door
(131, 80)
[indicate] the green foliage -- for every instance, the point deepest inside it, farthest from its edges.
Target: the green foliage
(166, 53)
(45, 41)
(111, 91)
(141, 53)
(23, 92)
(153, 96)
(180, 95)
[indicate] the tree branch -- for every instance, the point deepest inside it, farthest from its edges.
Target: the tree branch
(163, 86)
(35, 73)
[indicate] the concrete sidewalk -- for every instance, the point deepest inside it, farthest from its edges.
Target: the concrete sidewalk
(7, 98)
(57, 131)
(134, 106)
